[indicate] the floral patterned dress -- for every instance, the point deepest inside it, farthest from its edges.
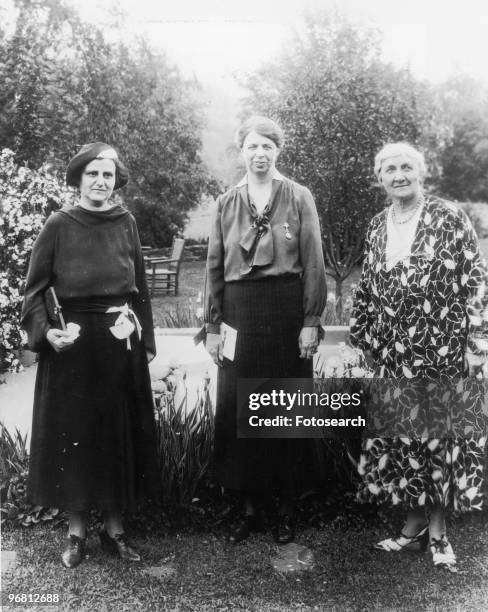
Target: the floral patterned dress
(419, 319)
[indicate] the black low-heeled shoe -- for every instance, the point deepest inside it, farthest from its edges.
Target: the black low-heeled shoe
(247, 524)
(284, 531)
(75, 551)
(118, 545)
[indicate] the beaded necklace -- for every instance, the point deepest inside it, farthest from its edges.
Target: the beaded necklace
(420, 201)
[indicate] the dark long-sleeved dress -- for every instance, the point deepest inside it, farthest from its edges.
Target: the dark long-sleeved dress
(419, 319)
(266, 278)
(93, 436)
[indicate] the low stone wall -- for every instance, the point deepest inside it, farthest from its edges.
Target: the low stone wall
(334, 334)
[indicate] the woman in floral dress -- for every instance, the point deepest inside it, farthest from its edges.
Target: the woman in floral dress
(418, 319)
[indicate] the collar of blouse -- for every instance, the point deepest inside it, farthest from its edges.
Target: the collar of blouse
(257, 240)
(276, 176)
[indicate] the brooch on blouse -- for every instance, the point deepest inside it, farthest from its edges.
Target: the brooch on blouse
(286, 227)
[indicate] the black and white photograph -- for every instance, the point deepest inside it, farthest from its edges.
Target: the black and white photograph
(243, 305)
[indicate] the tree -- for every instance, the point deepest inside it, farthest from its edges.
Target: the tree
(338, 103)
(65, 85)
(464, 159)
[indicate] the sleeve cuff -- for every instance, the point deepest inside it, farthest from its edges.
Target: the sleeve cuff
(312, 321)
(213, 328)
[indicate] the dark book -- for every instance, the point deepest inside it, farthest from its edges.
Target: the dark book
(54, 309)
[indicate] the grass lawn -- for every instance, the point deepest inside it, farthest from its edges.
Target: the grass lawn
(201, 571)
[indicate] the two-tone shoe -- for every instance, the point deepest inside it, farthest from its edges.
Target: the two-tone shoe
(403, 543)
(443, 555)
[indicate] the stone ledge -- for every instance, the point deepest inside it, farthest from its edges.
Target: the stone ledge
(334, 334)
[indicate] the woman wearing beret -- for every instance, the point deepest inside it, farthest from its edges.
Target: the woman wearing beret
(266, 279)
(93, 436)
(418, 316)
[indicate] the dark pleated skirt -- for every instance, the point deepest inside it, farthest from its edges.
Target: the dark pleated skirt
(93, 433)
(268, 316)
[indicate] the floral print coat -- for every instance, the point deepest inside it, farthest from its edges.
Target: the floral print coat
(419, 320)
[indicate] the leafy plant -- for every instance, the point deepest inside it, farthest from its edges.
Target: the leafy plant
(185, 438)
(341, 455)
(13, 474)
(183, 315)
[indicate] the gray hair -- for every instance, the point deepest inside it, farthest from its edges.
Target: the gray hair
(399, 148)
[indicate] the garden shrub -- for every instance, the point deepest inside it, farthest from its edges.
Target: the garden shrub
(27, 197)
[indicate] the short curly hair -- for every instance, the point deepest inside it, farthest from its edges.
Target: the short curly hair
(89, 152)
(263, 126)
(399, 148)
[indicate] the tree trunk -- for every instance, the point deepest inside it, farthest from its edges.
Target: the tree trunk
(338, 305)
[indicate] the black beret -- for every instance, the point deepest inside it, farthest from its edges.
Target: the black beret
(89, 152)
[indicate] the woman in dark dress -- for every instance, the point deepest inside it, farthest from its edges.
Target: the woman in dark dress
(266, 279)
(93, 436)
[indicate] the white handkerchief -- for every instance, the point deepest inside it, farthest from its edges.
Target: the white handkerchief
(123, 328)
(229, 335)
(73, 329)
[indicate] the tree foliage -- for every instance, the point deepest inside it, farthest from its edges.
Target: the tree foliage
(65, 85)
(464, 159)
(338, 103)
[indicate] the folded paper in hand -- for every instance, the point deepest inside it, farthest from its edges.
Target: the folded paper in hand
(229, 338)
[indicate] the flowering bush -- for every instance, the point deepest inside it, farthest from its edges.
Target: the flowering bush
(27, 197)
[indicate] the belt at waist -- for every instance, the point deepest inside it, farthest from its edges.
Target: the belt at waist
(98, 304)
(283, 279)
(126, 322)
